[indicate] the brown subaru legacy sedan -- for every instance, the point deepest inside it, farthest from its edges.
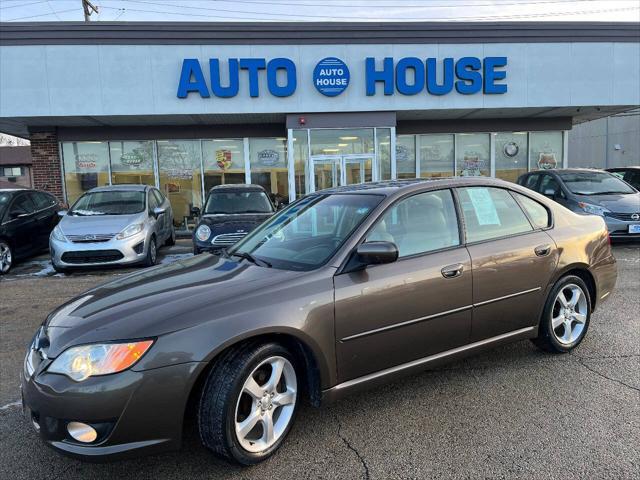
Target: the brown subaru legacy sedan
(344, 289)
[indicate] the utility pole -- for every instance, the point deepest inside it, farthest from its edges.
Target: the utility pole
(88, 9)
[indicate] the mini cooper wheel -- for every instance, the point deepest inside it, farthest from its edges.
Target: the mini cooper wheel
(248, 403)
(152, 253)
(6, 257)
(566, 316)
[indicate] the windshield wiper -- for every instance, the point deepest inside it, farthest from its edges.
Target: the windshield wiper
(251, 258)
(613, 192)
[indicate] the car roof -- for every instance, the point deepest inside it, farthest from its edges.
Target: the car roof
(392, 187)
(239, 186)
(619, 169)
(121, 188)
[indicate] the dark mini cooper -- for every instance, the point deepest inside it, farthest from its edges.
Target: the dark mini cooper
(230, 213)
(342, 290)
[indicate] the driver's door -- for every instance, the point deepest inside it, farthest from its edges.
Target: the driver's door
(390, 314)
(24, 225)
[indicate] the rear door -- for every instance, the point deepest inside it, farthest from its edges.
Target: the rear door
(46, 216)
(512, 260)
(419, 305)
(23, 223)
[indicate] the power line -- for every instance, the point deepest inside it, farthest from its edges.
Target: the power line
(42, 14)
(53, 11)
(21, 5)
(404, 5)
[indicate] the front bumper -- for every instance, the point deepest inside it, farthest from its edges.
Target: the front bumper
(91, 254)
(619, 229)
(134, 412)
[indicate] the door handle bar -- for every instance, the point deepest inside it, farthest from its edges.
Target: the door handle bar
(542, 250)
(452, 271)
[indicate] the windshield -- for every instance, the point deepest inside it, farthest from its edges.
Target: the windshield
(109, 203)
(4, 201)
(308, 233)
(228, 203)
(594, 183)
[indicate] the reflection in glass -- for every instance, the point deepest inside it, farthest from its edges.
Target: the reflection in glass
(327, 174)
(180, 176)
(511, 155)
(406, 156)
(546, 150)
(473, 154)
(268, 157)
(223, 162)
(132, 162)
(383, 136)
(341, 141)
(301, 162)
(86, 166)
(436, 155)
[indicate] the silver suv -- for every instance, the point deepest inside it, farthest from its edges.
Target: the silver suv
(114, 225)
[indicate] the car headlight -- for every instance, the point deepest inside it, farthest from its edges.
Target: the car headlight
(203, 233)
(84, 361)
(593, 209)
(130, 231)
(58, 235)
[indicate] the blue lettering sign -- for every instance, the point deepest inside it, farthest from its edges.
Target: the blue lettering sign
(216, 84)
(331, 76)
(373, 76)
(253, 66)
(417, 66)
(491, 75)
(432, 76)
(191, 68)
(468, 71)
(272, 77)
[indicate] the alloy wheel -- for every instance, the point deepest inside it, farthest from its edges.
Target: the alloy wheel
(153, 251)
(569, 314)
(5, 257)
(266, 404)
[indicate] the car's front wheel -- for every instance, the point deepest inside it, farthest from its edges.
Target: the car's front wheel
(249, 402)
(566, 316)
(6, 257)
(152, 253)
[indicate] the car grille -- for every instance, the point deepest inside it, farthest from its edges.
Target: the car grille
(626, 217)
(91, 238)
(92, 256)
(226, 239)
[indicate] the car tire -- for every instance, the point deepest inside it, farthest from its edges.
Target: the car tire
(226, 403)
(566, 315)
(58, 269)
(171, 239)
(6, 257)
(152, 253)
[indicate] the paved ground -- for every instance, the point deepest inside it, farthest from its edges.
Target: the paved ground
(510, 413)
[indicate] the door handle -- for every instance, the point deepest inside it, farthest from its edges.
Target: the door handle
(452, 271)
(542, 250)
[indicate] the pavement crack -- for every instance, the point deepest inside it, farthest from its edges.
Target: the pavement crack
(352, 448)
(592, 370)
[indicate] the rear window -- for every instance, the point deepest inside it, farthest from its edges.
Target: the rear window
(538, 213)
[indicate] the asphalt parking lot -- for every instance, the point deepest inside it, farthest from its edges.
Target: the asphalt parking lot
(513, 412)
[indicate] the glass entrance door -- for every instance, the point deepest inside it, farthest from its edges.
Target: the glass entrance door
(330, 171)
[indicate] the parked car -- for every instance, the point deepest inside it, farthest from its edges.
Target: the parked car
(230, 212)
(343, 289)
(113, 225)
(631, 175)
(27, 217)
(593, 192)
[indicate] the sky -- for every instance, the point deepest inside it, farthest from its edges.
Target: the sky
(323, 10)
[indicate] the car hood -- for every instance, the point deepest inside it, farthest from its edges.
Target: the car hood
(623, 203)
(224, 221)
(156, 301)
(98, 224)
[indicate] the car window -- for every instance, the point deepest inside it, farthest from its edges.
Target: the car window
(550, 186)
(158, 196)
(537, 212)
(109, 202)
(532, 181)
(491, 213)
(42, 200)
(618, 174)
(633, 179)
(153, 201)
(419, 224)
(22, 205)
(595, 183)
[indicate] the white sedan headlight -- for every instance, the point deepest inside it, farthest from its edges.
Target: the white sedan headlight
(130, 231)
(203, 233)
(82, 362)
(593, 209)
(58, 235)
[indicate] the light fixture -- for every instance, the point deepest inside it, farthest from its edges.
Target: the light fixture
(343, 144)
(330, 150)
(348, 138)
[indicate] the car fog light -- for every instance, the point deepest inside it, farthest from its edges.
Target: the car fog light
(82, 432)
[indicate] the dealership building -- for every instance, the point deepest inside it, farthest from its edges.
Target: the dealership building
(298, 107)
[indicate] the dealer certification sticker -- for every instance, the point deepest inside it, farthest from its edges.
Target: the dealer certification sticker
(634, 228)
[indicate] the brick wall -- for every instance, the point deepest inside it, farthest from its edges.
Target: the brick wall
(46, 163)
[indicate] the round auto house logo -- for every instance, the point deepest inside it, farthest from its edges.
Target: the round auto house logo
(331, 76)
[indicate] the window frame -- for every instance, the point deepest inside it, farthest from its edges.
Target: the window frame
(549, 211)
(15, 199)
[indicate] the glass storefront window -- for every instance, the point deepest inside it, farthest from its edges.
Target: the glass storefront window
(301, 162)
(383, 136)
(223, 162)
(342, 141)
(511, 155)
(545, 150)
(268, 158)
(86, 166)
(132, 162)
(436, 155)
(180, 177)
(473, 154)
(406, 156)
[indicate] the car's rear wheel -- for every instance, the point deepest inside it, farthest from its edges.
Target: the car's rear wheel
(566, 316)
(6, 257)
(152, 253)
(249, 402)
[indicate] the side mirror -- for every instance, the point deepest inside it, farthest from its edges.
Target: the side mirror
(195, 211)
(158, 211)
(62, 213)
(376, 253)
